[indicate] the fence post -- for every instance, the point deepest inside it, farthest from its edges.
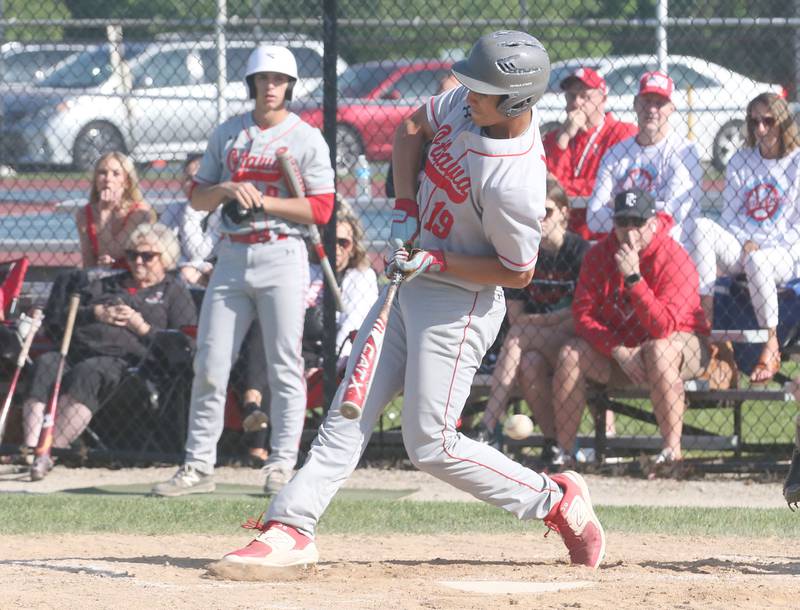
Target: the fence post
(220, 23)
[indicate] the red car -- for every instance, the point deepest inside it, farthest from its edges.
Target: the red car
(373, 98)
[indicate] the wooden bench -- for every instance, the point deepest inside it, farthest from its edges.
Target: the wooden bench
(698, 396)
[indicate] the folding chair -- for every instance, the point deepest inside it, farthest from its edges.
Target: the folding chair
(12, 274)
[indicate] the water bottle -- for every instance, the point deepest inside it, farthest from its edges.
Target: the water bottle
(363, 180)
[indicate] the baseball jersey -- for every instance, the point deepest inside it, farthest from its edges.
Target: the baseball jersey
(480, 196)
(241, 151)
(761, 198)
(669, 170)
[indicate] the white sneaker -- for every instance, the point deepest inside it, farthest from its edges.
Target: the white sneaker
(277, 546)
(276, 477)
(188, 480)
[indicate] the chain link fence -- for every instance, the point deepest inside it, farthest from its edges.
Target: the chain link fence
(83, 79)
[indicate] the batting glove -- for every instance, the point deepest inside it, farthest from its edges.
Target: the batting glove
(422, 261)
(399, 253)
(405, 220)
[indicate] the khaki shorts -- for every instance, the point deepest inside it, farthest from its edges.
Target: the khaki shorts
(694, 359)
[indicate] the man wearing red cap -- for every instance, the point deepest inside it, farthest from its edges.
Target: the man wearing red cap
(575, 149)
(657, 161)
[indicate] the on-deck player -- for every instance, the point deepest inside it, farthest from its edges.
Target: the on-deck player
(261, 270)
(481, 199)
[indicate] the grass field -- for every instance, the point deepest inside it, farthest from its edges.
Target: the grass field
(84, 513)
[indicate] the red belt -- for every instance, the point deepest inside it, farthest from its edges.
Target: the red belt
(256, 237)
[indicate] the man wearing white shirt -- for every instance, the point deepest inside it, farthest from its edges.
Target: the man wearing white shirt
(655, 160)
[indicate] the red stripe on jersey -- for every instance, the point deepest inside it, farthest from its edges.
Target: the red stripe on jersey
(528, 265)
(445, 433)
(519, 154)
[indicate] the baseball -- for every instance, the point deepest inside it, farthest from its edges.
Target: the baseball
(518, 427)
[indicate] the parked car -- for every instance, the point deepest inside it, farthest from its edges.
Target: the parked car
(710, 99)
(155, 100)
(31, 62)
(373, 98)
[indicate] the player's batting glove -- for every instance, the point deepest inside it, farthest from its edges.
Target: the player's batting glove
(399, 253)
(422, 261)
(405, 220)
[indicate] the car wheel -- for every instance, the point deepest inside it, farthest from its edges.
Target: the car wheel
(93, 141)
(728, 140)
(348, 147)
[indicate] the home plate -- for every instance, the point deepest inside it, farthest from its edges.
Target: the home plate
(502, 587)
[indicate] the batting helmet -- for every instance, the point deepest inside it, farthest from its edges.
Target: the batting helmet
(509, 63)
(271, 59)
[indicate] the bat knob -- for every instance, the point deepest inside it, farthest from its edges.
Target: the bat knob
(350, 411)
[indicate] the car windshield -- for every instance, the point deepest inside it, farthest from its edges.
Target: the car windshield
(88, 69)
(27, 66)
(358, 81)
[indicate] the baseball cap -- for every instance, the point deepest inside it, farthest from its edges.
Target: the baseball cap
(588, 77)
(658, 83)
(634, 203)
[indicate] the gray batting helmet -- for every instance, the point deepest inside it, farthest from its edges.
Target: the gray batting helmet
(510, 63)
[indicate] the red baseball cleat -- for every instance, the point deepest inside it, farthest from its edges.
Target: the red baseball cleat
(575, 521)
(277, 546)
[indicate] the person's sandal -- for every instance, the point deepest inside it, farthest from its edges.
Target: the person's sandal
(770, 368)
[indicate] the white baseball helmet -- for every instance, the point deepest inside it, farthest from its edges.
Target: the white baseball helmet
(271, 59)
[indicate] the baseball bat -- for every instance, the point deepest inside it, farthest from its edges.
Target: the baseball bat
(45, 443)
(291, 174)
(36, 322)
(360, 381)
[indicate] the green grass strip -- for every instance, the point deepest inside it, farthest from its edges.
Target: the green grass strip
(70, 513)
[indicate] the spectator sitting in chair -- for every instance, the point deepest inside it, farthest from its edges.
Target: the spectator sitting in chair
(758, 229)
(115, 209)
(638, 322)
(118, 318)
(656, 160)
(541, 321)
(575, 149)
(197, 231)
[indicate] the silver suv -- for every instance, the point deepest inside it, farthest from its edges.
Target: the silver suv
(157, 100)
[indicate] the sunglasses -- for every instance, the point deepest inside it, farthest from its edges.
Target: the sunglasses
(344, 243)
(548, 212)
(625, 222)
(767, 121)
(146, 257)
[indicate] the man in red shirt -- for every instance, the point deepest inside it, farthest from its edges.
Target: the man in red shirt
(638, 322)
(574, 150)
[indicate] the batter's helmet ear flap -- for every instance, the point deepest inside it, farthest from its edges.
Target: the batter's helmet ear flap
(251, 88)
(290, 89)
(510, 63)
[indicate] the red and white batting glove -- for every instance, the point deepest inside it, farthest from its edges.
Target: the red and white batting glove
(405, 221)
(422, 261)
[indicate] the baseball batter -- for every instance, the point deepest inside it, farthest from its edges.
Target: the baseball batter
(261, 270)
(480, 200)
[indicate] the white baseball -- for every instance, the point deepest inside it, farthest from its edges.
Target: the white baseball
(518, 427)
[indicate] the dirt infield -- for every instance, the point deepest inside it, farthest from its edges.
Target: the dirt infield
(449, 571)
(132, 572)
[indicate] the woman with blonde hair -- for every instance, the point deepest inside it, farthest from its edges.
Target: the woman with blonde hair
(757, 232)
(115, 208)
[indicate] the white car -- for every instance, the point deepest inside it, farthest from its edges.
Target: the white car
(31, 62)
(710, 100)
(159, 102)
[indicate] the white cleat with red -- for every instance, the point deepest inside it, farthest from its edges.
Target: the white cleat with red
(277, 546)
(574, 519)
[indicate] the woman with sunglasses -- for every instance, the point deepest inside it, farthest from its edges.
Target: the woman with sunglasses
(540, 322)
(118, 317)
(114, 209)
(757, 231)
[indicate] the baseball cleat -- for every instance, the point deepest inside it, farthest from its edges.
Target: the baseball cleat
(575, 521)
(42, 465)
(791, 486)
(187, 480)
(277, 546)
(276, 478)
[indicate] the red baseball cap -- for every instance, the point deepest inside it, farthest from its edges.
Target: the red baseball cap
(588, 77)
(658, 83)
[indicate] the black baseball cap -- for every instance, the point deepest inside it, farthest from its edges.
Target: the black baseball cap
(634, 203)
